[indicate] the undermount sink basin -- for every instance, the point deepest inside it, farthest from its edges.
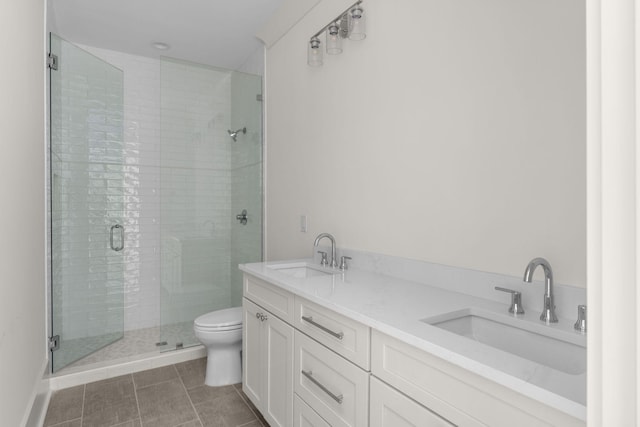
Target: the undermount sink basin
(300, 270)
(543, 344)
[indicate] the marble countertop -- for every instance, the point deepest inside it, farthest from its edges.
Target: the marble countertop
(396, 307)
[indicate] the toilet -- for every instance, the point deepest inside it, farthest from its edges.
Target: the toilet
(221, 333)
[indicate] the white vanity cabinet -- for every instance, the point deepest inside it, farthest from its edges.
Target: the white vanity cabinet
(314, 375)
(306, 365)
(267, 348)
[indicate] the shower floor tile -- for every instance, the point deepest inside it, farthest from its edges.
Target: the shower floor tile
(134, 343)
(171, 396)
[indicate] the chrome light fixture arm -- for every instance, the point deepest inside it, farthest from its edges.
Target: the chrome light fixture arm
(341, 21)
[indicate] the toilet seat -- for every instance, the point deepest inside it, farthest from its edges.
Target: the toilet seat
(221, 320)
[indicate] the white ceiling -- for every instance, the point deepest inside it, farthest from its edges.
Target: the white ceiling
(214, 32)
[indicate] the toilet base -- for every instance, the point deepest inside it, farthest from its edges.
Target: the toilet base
(224, 367)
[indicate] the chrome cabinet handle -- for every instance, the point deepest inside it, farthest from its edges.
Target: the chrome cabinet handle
(310, 320)
(309, 375)
(121, 247)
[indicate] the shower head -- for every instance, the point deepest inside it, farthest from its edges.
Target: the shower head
(234, 134)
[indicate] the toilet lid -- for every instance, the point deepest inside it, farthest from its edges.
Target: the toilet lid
(220, 318)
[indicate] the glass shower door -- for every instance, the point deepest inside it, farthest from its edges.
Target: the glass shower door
(87, 203)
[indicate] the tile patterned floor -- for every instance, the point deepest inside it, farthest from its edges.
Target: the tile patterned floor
(135, 342)
(171, 396)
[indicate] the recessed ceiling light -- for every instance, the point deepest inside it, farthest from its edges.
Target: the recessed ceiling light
(160, 45)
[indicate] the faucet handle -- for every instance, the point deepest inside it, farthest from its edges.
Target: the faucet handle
(516, 300)
(323, 262)
(581, 323)
(343, 262)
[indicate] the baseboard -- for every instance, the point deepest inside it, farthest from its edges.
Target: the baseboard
(39, 400)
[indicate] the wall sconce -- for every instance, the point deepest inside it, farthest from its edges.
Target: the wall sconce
(334, 41)
(357, 22)
(314, 53)
(349, 24)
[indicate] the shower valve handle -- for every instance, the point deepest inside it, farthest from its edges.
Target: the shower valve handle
(242, 217)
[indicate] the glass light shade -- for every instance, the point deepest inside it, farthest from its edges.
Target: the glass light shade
(357, 23)
(314, 53)
(334, 41)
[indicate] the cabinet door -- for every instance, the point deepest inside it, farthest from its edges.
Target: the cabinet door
(390, 408)
(253, 360)
(278, 352)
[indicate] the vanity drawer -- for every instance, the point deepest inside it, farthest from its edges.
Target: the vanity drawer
(346, 337)
(390, 408)
(304, 416)
(270, 297)
(335, 388)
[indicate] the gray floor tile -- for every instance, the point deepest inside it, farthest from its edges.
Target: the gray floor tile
(165, 405)
(109, 402)
(130, 423)
(251, 406)
(160, 394)
(65, 405)
(73, 423)
(204, 393)
(226, 411)
(154, 376)
(192, 372)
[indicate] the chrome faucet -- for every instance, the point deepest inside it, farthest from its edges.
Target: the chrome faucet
(333, 263)
(549, 309)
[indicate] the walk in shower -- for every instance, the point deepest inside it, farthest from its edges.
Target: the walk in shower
(147, 191)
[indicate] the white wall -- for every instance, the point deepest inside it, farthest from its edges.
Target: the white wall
(454, 133)
(254, 63)
(23, 353)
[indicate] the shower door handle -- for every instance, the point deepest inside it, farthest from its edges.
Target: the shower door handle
(121, 246)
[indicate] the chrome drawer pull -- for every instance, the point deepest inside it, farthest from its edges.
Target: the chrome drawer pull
(309, 374)
(309, 319)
